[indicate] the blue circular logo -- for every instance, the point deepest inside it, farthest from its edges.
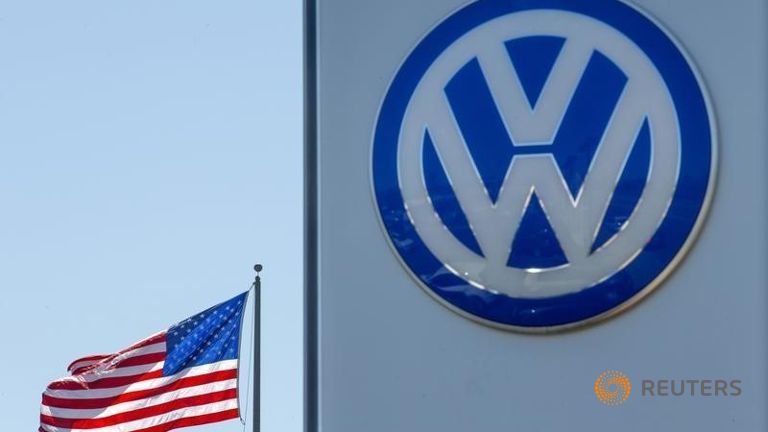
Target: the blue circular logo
(543, 164)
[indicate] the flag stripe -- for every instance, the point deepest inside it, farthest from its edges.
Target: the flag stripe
(141, 360)
(143, 385)
(85, 362)
(139, 403)
(96, 375)
(165, 422)
(105, 383)
(124, 417)
(117, 360)
(93, 377)
(86, 402)
(194, 421)
(155, 338)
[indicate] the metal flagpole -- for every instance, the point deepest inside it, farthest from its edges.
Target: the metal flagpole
(257, 349)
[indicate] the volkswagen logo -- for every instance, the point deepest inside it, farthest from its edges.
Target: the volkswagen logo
(543, 164)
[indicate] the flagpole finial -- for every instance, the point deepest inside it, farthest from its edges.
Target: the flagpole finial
(257, 280)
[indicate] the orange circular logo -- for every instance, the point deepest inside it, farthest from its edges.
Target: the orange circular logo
(612, 387)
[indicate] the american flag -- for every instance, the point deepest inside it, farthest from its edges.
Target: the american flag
(184, 376)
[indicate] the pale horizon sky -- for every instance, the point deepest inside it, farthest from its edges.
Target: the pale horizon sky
(151, 153)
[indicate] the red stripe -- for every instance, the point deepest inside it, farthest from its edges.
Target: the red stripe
(141, 394)
(193, 421)
(141, 412)
(83, 369)
(105, 382)
(141, 360)
(152, 340)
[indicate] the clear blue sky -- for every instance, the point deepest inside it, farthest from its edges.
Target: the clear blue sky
(150, 152)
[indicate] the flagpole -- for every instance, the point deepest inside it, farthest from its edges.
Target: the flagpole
(257, 349)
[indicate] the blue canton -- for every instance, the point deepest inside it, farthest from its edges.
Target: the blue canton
(208, 337)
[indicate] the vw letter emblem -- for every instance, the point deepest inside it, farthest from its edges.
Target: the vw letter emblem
(543, 164)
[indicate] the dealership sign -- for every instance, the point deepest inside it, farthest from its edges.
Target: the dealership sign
(541, 165)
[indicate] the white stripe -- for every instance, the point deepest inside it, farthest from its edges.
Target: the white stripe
(111, 363)
(149, 349)
(84, 363)
(156, 420)
(78, 364)
(100, 373)
(138, 404)
(108, 369)
(155, 347)
(143, 385)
